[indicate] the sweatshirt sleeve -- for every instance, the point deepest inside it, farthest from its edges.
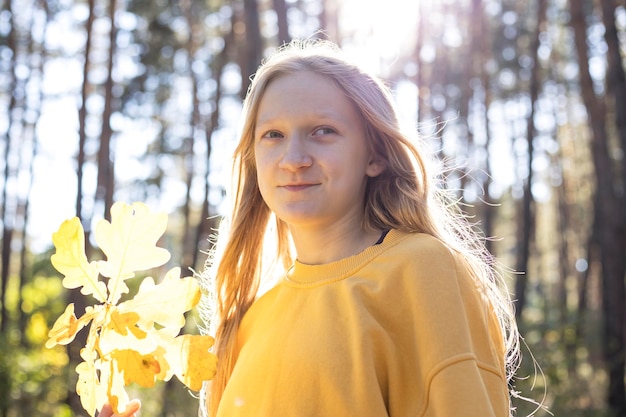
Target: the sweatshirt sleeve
(458, 342)
(464, 387)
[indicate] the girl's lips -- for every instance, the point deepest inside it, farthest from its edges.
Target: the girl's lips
(297, 187)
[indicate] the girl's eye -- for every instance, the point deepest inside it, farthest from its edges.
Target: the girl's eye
(273, 134)
(324, 131)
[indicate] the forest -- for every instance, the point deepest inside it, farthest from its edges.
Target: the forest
(523, 104)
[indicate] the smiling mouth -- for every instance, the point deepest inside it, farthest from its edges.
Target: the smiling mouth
(297, 187)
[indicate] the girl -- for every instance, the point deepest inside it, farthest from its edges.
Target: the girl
(389, 305)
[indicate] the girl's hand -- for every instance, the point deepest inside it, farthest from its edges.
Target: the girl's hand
(132, 407)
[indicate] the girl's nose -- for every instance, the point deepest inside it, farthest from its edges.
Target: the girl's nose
(295, 155)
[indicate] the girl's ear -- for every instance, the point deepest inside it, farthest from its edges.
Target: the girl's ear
(375, 167)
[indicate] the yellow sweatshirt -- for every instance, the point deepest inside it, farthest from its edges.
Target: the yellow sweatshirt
(397, 330)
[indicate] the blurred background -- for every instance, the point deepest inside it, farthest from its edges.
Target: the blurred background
(522, 102)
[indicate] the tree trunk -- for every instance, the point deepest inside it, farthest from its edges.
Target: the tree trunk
(329, 21)
(616, 80)
(74, 296)
(188, 242)
(24, 206)
(7, 238)
(611, 227)
(591, 255)
(472, 49)
(484, 54)
(7, 214)
(106, 176)
(82, 113)
(616, 87)
(420, 76)
(563, 226)
(253, 44)
(280, 7)
(526, 225)
(480, 54)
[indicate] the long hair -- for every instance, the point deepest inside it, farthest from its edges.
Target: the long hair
(403, 197)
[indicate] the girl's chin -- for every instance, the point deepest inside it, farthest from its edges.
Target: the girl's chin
(300, 218)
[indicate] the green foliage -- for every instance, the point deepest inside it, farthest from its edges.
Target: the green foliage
(566, 377)
(36, 377)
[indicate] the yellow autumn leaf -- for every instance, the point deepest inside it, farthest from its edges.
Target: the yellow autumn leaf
(71, 261)
(86, 387)
(110, 340)
(142, 369)
(100, 382)
(123, 323)
(91, 386)
(160, 354)
(129, 243)
(174, 295)
(67, 326)
(192, 362)
(116, 391)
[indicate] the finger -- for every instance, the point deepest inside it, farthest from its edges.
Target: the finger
(107, 411)
(131, 408)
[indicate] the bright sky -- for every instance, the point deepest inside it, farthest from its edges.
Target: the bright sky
(380, 32)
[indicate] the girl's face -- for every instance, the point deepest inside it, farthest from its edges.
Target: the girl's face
(311, 153)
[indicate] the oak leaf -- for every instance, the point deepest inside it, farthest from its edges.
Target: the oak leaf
(198, 365)
(67, 325)
(88, 386)
(135, 341)
(174, 295)
(123, 323)
(71, 261)
(142, 369)
(129, 242)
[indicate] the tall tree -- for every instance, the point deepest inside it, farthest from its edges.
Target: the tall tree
(9, 168)
(195, 125)
(615, 78)
(38, 53)
(252, 44)
(421, 74)
(82, 113)
(465, 81)
(329, 21)
(563, 230)
(74, 296)
(616, 86)
(609, 222)
(616, 297)
(483, 80)
(106, 175)
(526, 224)
(280, 7)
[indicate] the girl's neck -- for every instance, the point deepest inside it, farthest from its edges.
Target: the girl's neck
(321, 246)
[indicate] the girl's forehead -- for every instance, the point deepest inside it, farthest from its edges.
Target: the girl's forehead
(307, 89)
(304, 85)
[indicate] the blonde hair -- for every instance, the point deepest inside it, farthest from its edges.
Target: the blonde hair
(402, 197)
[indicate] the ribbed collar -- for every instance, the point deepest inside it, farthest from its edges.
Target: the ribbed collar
(304, 275)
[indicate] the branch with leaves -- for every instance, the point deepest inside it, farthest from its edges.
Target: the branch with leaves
(136, 340)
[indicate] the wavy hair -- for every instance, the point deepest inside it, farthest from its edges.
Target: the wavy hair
(403, 197)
